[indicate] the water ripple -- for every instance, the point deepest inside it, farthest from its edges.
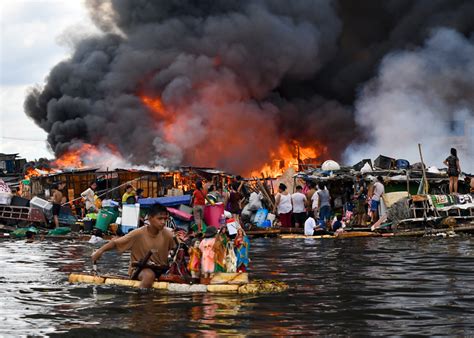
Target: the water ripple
(372, 286)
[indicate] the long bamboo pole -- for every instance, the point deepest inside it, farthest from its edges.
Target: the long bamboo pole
(110, 190)
(425, 180)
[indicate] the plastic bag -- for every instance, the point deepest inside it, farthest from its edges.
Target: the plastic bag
(59, 231)
(261, 216)
(19, 233)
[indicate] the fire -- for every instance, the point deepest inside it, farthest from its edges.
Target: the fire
(156, 106)
(289, 155)
(76, 158)
(30, 172)
(163, 114)
(228, 130)
(24, 188)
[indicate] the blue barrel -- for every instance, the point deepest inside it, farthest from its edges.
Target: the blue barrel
(402, 164)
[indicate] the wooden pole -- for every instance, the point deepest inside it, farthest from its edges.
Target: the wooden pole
(425, 180)
(299, 159)
(107, 182)
(408, 182)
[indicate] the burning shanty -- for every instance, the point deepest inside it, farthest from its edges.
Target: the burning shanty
(259, 204)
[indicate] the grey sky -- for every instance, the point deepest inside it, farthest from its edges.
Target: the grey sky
(33, 39)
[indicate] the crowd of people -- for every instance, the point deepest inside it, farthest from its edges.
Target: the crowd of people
(208, 250)
(311, 206)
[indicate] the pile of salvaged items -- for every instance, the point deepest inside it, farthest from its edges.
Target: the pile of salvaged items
(419, 212)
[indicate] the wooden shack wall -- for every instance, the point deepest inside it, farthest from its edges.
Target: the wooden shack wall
(149, 182)
(153, 184)
(75, 183)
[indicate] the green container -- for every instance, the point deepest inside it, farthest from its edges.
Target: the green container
(104, 218)
(59, 231)
(114, 211)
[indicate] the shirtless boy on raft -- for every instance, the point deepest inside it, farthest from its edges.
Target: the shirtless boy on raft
(153, 237)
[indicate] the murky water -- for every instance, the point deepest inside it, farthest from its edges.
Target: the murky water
(372, 286)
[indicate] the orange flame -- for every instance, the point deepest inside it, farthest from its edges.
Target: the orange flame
(31, 172)
(164, 115)
(289, 155)
(75, 158)
(157, 107)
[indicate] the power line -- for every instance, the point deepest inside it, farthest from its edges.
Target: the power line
(21, 139)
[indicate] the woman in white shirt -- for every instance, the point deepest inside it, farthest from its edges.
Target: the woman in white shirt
(298, 199)
(283, 206)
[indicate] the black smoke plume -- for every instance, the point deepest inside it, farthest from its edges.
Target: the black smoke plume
(236, 77)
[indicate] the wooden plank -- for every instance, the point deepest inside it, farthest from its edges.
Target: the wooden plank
(263, 232)
(351, 234)
(285, 230)
(348, 234)
(297, 236)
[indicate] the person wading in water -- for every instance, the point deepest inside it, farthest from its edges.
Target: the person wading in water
(151, 241)
(57, 199)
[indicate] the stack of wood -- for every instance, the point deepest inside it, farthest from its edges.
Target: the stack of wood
(261, 186)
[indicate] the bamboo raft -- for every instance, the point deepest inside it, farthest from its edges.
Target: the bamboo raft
(236, 283)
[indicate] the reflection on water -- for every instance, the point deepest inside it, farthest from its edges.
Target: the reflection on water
(354, 286)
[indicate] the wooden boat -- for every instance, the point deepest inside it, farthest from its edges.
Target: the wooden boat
(270, 232)
(462, 228)
(297, 236)
(237, 283)
(350, 234)
(273, 232)
(285, 230)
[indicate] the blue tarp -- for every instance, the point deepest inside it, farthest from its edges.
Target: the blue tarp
(166, 201)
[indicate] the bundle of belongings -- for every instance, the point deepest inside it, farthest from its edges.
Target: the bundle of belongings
(250, 210)
(197, 259)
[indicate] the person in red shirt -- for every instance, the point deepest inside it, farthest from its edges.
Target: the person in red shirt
(198, 201)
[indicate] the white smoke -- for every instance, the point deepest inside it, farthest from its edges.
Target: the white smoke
(421, 96)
